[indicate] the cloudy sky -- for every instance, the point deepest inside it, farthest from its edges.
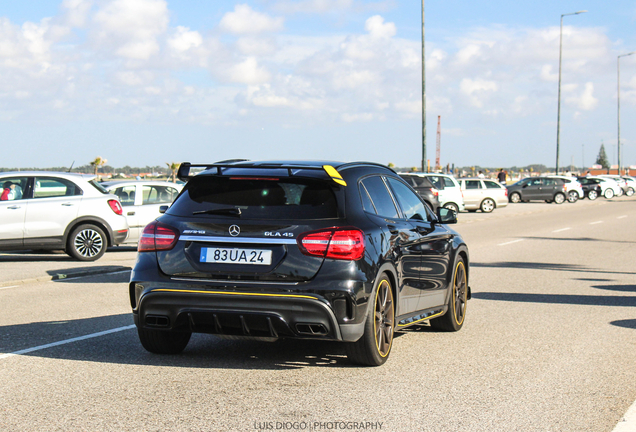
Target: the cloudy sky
(145, 82)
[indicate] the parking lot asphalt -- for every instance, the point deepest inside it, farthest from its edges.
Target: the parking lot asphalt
(547, 343)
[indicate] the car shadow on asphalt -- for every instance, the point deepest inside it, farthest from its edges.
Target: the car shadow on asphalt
(582, 239)
(573, 299)
(628, 323)
(204, 351)
(546, 266)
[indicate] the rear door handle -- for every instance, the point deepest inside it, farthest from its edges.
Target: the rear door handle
(130, 213)
(67, 204)
(392, 229)
(14, 207)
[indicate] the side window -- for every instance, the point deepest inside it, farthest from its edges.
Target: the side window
(367, 205)
(492, 185)
(411, 204)
(380, 197)
(126, 195)
(437, 182)
(535, 182)
(13, 188)
(409, 179)
(473, 184)
(46, 187)
(448, 182)
(165, 194)
(549, 182)
(150, 195)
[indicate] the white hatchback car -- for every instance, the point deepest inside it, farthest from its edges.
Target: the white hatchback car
(483, 194)
(141, 201)
(573, 188)
(450, 193)
(609, 187)
(51, 210)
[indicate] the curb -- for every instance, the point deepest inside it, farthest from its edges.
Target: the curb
(71, 275)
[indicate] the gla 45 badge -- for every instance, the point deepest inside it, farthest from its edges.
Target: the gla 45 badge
(277, 234)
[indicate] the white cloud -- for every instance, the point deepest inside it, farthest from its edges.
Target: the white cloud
(185, 39)
(248, 72)
(586, 100)
(131, 28)
(245, 20)
(547, 75)
(256, 46)
(312, 6)
(477, 89)
(378, 29)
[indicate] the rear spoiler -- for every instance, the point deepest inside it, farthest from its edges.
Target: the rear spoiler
(184, 169)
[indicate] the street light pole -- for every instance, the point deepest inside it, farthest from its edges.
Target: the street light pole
(618, 94)
(559, 97)
(424, 164)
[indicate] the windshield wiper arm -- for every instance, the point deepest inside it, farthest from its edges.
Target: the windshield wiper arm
(232, 211)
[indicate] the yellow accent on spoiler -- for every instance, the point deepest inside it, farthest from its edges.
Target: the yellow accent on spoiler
(334, 174)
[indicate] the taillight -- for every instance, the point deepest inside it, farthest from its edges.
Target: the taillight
(115, 206)
(335, 243)
(157, 237)
(506, 192)
(435, 191)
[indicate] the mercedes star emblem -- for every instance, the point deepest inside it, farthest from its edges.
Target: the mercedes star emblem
(235, 230)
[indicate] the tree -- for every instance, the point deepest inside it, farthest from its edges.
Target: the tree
(98, 162)
(173, 167)
(391, 165)
(601, 159)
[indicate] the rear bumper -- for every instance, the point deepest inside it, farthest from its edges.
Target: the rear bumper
(327, 310)
(120, 236)
(238, 314)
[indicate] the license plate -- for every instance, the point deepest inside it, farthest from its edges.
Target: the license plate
(236, 256)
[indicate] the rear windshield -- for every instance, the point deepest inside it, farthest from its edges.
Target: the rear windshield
(98, 186)
(268, 199)
(416, 181)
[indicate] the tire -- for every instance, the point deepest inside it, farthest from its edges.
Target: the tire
(162, 341)
(86, 243)
(548, 201)
(592, 195)
(472, 210)
(452, 206)
(487, 205)
(453, 319)
(573, 196)
(515, 197)
(609, 193)
(374, 347)
(630, 192)
(559, 198)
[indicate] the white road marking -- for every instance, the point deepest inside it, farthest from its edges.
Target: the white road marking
(621, 217)
(597, 222)
(12, 286)
(67, 341)
(562, 229)
(628, 422)
(510, 242)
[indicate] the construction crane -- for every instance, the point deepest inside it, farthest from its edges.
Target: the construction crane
(438, 167)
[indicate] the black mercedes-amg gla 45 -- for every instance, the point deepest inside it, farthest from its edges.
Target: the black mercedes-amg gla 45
(311, 250)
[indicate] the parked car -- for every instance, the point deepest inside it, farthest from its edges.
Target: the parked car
(141, 201)
(627, 186)
(450, 194)
(591, 187)
(51, 210)
(538, 189)
(345, 252)
(483, 194)
(573, 188)
(631, 185)
(424, 188)
(609, 188)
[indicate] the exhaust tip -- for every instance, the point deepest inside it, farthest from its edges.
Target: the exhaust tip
(157, 321)
(313, 329)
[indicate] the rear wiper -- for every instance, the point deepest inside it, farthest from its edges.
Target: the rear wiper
(232, 211)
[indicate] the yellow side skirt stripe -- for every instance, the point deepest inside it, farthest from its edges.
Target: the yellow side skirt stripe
(423, 319)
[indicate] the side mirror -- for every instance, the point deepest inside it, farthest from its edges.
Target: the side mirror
(163, 209)
(446, 216)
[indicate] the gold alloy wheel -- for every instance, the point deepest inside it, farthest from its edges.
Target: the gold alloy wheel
(384, 318)
(459, 293)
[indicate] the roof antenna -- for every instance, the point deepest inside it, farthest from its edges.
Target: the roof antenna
(69, 170)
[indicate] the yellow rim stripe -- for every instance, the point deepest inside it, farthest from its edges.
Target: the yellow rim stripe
(232, 293)
(423, 319)
(334, 174)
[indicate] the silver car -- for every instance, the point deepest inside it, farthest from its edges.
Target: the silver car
(141, 201)
(50, 210)
(483, 194)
